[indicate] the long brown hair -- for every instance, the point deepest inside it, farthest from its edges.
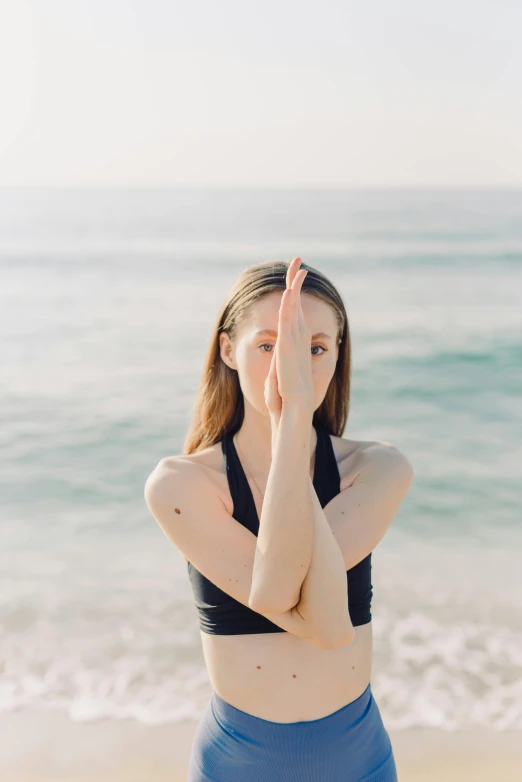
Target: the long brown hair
(219, 406)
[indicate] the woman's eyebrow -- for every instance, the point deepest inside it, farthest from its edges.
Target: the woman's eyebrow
(272, 333)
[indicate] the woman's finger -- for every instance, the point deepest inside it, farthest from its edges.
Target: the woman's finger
(293, 266)
(290, 312)
(300, 301)
(297, 310)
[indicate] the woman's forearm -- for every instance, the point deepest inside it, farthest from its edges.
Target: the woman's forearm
(285, 537)
(274, 420)
(324, 592)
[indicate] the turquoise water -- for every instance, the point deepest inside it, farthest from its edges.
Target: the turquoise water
(107, 299)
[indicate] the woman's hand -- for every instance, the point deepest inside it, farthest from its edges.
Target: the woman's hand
(289, 316)
(293, 360)
(272, 397)
(291, 320)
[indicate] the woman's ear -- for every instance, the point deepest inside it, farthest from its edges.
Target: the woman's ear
(226, 349)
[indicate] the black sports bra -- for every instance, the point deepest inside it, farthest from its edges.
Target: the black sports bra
(221, 614)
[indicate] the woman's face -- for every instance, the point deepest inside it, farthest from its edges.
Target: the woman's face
(251, 352)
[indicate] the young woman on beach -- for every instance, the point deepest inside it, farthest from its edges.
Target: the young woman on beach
(276, 515)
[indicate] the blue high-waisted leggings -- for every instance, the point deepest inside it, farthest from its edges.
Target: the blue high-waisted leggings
(350, 745)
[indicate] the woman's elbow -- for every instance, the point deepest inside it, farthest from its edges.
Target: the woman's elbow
(347, 639)
(336, 643)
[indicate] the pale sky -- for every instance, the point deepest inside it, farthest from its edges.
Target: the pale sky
(267, 93)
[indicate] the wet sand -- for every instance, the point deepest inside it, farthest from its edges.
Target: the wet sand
(38, 746)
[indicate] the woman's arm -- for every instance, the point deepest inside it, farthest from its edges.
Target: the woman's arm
(319, 594)
(356, 519)
(324, 593)
(285, 537)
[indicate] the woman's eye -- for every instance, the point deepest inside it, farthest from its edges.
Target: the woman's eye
(268, 345)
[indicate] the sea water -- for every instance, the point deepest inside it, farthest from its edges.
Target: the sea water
(107, 301)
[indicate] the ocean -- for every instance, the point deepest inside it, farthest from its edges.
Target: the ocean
(107, 298)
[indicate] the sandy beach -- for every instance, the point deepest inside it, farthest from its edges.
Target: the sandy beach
(38, 746)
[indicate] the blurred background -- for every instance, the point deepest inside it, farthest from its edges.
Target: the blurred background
(148, 153)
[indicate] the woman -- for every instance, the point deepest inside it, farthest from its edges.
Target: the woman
(276, 515)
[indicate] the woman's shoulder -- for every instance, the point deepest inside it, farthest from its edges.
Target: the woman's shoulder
(210, 458)
(351, 454)
(346, 449)
(199, 473)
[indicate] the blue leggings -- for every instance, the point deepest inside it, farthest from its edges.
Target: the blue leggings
(350, 745)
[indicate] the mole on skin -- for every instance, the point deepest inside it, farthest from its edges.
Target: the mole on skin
(177, 510)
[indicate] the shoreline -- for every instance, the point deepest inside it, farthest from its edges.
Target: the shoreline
(40, 746)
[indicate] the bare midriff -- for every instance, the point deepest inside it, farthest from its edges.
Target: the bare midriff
(281, 678)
